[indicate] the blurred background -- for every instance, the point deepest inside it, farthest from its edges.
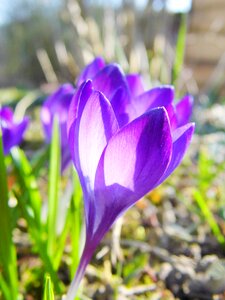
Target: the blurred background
(51, 40)
(47, 42)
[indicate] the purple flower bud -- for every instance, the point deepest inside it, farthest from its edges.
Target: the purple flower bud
(12, 131)
(124, 142)
(57, 105)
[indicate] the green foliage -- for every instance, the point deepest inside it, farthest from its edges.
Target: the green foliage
(53, 195)
(48, 242)
(30, 196)
(134, 266)
(76, 222)
(207, 172)
(48, 290)
(29, 200)
(8, 262)
(208, 216)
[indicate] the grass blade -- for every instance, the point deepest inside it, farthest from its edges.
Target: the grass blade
(61, 243)
(206, 175)
(39, 160)
(40, 244)
(54, 180)
(209, 217)
(76, 218)
(7, 249)
(48, 291)
(4, 289)
(30, 204)
(28, 183)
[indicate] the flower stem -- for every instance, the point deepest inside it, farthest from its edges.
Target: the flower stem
(85, 258)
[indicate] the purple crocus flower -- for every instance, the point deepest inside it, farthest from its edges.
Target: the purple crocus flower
(124, 142)
(12, 131)
(57, 105)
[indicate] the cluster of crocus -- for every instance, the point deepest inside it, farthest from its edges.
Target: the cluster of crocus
(12, 131)
(124, 142)
(57, 106)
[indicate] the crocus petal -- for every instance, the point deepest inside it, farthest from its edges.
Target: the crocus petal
(132, 163)
(57, 104)
(76, 108)
(172, 116)
(120, 104)
(156, 97)
(6, 114)
(13, 135)
(97, 124)
(112, 83)
(93, 127)
(91, 70)
(109, 80)
(181, 140)
(184, 110)
(135, 84)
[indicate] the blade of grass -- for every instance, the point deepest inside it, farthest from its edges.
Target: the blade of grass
(40, 244)
(53, 196)
(31, 210)
(180, 48)
(28, 183)
(61, 243)
(39, 160)
(4, 289)
(209, 217)
(207, 172)
(8, 262)
(63, 222)
(48, 291)
(76, 218)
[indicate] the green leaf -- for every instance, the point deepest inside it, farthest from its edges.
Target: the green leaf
(41, 245)
(76, 212)
(4, 288)
(53, 195)
(202, 203)
(29, 200)
(48, 291)
(61, 242)
(28, 183)
(8, 263)
(206, 171)
(39, 160)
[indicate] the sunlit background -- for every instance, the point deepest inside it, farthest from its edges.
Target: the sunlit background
(50, 41)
